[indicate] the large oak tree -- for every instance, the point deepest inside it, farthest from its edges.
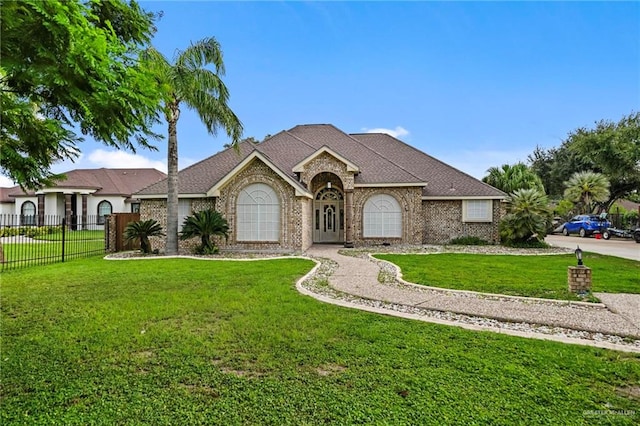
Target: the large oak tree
(71, 68)
(610, 148)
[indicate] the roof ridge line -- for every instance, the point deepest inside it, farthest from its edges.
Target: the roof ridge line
(300, 139)
(435, 159)
(382, 156)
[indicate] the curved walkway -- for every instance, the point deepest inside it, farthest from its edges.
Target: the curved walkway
(357, 277)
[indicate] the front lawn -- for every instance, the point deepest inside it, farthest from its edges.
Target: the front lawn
(531, 276)
(179, 341)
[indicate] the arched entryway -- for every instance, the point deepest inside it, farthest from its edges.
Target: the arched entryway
(328, 213)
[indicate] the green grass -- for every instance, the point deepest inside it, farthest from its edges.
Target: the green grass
(178, 341)
(531, 276)
(86, 234)
(50, 251)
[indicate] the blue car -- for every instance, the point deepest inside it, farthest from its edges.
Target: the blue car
(585, 225)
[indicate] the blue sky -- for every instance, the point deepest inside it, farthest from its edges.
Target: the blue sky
(475, 84)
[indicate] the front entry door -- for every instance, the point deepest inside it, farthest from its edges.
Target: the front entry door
(328, 216)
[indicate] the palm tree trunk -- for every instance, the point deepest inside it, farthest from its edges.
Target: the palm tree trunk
(172, 181)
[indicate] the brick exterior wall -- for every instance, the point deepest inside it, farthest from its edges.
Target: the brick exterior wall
(320, 169)
(155, 209)
(443, 222)
(410, 200)
(423, 222)
(291, 209)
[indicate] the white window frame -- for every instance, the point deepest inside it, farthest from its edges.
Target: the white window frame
(184, 210)
(382, 217)
(28, 219)
(477, 210)
(258, 214)
(99, 209)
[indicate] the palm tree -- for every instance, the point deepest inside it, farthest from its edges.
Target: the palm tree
(188, 82)
(141, 230)
(509, 178)
(204, 224)
(528, 214)
(587, 189)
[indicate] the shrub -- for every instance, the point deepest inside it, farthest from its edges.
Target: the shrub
(528, 216)
(142, 230)
(469, 241)
(205, 224)
(526, 244)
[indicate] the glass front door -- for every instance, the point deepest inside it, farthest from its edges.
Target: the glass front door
(328, 217)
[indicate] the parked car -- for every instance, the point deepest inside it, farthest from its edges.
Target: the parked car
(585, 225)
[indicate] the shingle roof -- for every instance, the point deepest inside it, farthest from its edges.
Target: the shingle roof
(443, 180)
(6, 194)
(381, 159)
(201, 176)
(123, 182)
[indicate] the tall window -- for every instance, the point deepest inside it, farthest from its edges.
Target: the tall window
(477, 211)
(184, 210)
(28, 213)
(104, 209)
(382, 217)
(258, 214)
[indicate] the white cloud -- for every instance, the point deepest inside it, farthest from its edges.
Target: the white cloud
(398, 132)
(5, 182)
(122, 159)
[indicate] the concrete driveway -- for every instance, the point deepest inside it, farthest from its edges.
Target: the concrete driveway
(620, 247)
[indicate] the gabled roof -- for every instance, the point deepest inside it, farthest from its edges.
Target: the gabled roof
(121, 182)
(444, 181)
(255, 154)
(377, 159)
(350, 166)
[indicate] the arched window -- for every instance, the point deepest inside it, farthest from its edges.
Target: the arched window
(382, 217)
(104, 209)
(28, 213)
(258, 214)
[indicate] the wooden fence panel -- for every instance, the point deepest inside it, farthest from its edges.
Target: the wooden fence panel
(122, 220)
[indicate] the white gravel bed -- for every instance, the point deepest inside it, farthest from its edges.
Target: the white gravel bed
(319, 283)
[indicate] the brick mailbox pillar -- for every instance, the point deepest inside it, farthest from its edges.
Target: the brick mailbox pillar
(579, 278)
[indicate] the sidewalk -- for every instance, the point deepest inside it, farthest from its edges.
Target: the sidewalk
(619, 315)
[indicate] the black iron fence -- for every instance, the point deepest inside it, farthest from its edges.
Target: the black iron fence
(30, 241)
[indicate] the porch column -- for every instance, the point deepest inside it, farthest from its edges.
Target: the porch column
(67, 208)
(84, 211)
(348, 210)
(40, 209)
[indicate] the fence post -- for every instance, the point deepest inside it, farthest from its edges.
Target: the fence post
(64, 226)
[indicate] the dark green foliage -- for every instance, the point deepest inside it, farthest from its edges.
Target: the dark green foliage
(610, 148)
(511, 178)
(141, 230)
(469, 241)
(205, 224)
(527, 218)
(526, 244)
(68, 65)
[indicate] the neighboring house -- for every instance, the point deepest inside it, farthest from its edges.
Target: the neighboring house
(84, 195)
(317, 184)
